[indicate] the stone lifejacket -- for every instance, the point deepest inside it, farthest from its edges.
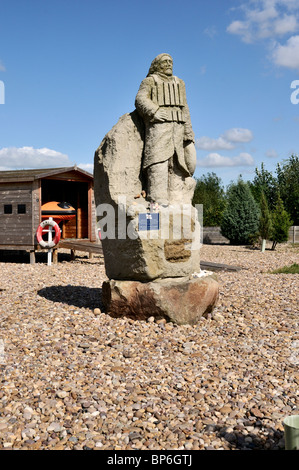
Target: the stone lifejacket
(164, 138)
(170, 95)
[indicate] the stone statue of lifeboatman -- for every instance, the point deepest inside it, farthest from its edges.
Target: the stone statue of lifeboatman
(169, 158)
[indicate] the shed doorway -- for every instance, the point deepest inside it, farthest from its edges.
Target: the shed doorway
(76, 194)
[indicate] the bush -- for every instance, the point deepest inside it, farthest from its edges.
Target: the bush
(264, 183)
(265, 222)
(210, 193)
(293, 269)
(288, 181)
(281, 224)
(241, 217)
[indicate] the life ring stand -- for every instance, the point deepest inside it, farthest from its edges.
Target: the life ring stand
(39, 232)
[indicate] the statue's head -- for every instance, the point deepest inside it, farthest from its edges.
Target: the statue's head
(162, 63)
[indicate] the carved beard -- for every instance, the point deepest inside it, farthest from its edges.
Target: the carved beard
(164, 75)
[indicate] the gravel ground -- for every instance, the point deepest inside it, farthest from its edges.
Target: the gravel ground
(73, 377)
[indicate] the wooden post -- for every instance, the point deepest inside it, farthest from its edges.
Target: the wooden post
(49, 240)
(55, 256)
(63, 229)
(73, 254)
(79, 220)
(89, 212)
(32, 257)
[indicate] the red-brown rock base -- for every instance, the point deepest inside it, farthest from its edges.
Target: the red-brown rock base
(180, 300)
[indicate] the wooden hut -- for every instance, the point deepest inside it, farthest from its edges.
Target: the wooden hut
(24, 192)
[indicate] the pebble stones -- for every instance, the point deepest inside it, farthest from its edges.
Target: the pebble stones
(74, 378)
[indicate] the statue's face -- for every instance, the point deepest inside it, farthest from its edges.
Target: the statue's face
(165, 65)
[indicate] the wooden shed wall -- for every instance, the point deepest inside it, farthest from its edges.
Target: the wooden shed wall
(16, 229)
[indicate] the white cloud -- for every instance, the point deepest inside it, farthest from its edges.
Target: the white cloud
(266, 19)
(287, 55)
(290, 4)
(240, 28)
(210, 31)
(2, 67)
(285, 25)
(29, 157)
(214, 160)
(207, 143)
(86, 166)
(226, 141)
(271, 153)
(238, 135)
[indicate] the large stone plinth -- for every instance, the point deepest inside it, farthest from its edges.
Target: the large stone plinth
(180, 300)
(169, 250)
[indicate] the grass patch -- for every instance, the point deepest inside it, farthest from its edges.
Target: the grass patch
(293, 269)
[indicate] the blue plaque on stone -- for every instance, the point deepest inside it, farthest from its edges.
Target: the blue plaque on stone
(149, 221)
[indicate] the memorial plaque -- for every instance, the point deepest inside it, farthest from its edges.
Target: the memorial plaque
(148, 221)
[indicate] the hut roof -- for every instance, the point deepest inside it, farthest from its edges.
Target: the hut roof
(35, 174)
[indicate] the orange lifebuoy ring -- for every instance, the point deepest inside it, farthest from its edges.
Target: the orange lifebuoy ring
(39, 232)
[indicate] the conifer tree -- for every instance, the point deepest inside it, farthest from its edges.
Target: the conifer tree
(240, 219)
(288, 183)
(210, 193)
(281, 224)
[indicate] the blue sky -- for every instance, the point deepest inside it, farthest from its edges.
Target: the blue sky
(70, 68)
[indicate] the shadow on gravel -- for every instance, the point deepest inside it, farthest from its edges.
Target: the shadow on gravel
(273, 440)
(78, 296)
(23, 257)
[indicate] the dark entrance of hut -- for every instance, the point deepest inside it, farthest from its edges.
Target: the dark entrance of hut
(76, 194)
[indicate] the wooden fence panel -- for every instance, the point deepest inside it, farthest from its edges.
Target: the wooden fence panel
(212, 235)
(294, 234)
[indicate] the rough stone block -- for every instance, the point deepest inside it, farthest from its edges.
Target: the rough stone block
(180, 300)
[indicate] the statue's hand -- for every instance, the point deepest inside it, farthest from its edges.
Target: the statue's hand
(161, 115)
(190, 156)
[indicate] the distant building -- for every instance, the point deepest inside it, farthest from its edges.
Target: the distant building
(24, 192)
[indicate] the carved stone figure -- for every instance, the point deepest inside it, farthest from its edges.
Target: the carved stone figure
(143, 186)
(169, 153)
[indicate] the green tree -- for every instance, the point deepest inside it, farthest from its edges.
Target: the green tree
(281, 224)
(240, 219)
(210, 193)
(265, 222)
(264, 183)
(288, 181)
